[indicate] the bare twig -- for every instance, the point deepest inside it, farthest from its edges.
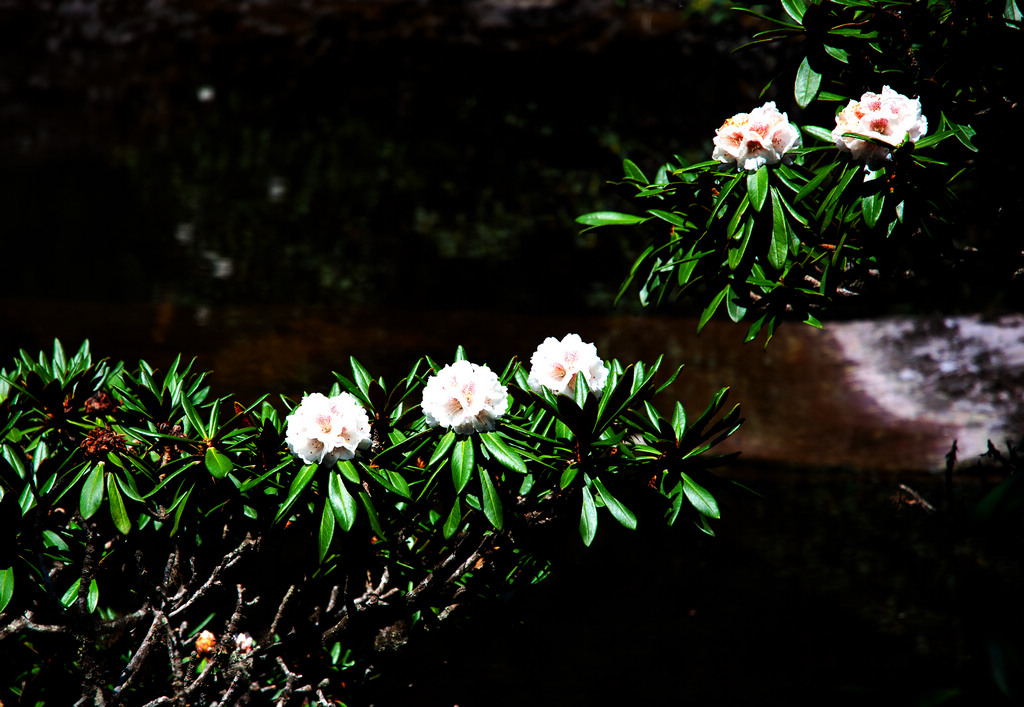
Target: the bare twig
(280, 609)
(229, 560)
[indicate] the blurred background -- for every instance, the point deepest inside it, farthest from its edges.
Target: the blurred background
(275, 186)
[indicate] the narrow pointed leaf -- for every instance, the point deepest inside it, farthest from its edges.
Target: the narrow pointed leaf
(700, 498)
(454, 520)
(489, 499)
(610, 218)
(92, 493)
(326, 531)
(757, 187)
(588, 518)
(443, 445)
(371, 512)
(633, 172)
(500, 450)
(299, 483)
(615, 507)
(92, 599)
(342, 502)
(117, 509)
(709, 311)
(462, 463)
(6, 587)
(778, 249)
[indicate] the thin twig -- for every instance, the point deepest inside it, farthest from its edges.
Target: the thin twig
(280, 609)
(229, 560)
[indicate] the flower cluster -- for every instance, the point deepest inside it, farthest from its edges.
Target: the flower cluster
(326, 430)
(558, 365)
(244, 643)
(757, 138)
(464, 397)
(206, 643)
(889, 117)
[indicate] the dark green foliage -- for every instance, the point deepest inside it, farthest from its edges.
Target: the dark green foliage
(138, 511)
(836, 228)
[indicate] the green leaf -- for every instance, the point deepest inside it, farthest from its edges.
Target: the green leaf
(198, 427)
(342, 502)
(588, 518)
(615, 507)
(778, 250)
(117, 509)
(567, 476)
(349, 471)
(610, 218)
(451, 524)
(217, 463)
(673, 218)
(92, 493)
(757, 187)
(733, 308)
(361, 375)
(462, 463)
(6, 587)
(678, 421)
(700, 498)
(808, 82)
(326, 531)
(633, 172)
(1011, 12)
(371, 512)
(838, 54)
(709, 311)
(299, 483)
(818, 133)
(491, 502)
(443, 445)
(92, 599)
(506, 456)
(68, 598)
(795, 9)
(813, 183)
(871, 208)
(737, 249)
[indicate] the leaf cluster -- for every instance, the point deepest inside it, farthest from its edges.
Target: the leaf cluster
(137, 510)
(791, 239)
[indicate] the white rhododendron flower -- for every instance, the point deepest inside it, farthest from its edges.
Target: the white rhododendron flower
(557, 365)
(465, 397)
(326, 430)
(759, 137)
(890, 117)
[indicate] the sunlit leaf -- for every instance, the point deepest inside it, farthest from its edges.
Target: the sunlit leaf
(462, 463)
(588, 518)
(808, 81)
(633, 172)
(501, 451)
(217, 463)
(326, 531)
(610, 218)
(757, 187)
(342, 502)
(6, 587)
(117, 509)
(615, 507)
(92, 493)
(451, 524)
(700, 498)
(489, 498)
(778, 249)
